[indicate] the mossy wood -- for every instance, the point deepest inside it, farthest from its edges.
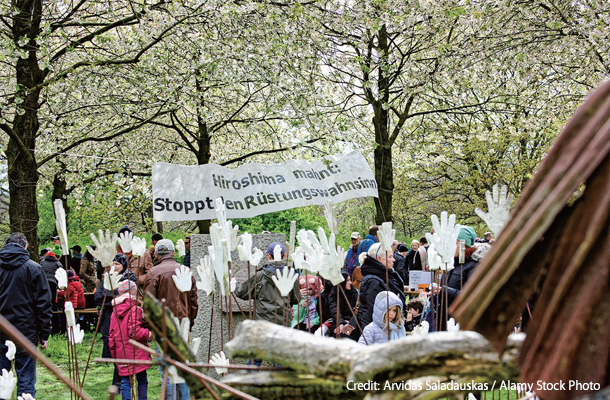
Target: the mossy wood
(323, 366)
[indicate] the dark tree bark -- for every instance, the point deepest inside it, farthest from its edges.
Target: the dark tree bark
(22, 168)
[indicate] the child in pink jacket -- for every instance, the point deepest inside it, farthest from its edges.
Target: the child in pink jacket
(125, 324)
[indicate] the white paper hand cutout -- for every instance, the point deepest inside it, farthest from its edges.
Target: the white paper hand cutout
(10, 352)
(333, 262)
(105, 247)
(60, 224)
(62, 278)
(277, 253)
(330, 213)
(125, 240)
(180, 248)
(111, 279)
(498, 207)
(219, 258)
(245, 247)
(7, 384)
(69, 311)
(195, 345)
(434, 260)
(386, 236)
(422, 329)
(219, 360)
(77, 334)
(452, 326)
(445, 236)
(174, 378)
(257, 256)
(206, 274)
(138, 246)
(284, 280)
(182, 279)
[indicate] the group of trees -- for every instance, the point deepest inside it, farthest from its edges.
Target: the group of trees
(446, 98)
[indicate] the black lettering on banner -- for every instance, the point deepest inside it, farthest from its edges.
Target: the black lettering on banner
(159, 206)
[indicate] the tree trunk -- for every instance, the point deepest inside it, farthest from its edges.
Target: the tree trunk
(203, 156)
(23, 207)
(22, 167)
(384, 173)
(385, 180)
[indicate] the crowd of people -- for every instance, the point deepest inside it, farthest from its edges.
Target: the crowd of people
(370, 305)
(374, 303)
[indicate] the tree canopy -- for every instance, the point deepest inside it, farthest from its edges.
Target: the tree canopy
(444, 98)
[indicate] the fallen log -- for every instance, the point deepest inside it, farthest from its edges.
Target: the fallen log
(429, 366)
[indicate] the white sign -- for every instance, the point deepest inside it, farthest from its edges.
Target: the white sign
(185, 193)
(419, 277)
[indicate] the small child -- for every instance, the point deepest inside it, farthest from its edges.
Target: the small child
(384, 319)
(125, 324)
(305, 315)
(415, 308)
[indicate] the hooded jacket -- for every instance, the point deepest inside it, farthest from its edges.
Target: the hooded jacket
(160, 284)
(125, 324)
(373, 282)
(25, 298)
(266, 294)
(375, 331)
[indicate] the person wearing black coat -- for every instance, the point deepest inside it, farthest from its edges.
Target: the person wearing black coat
(374, 267)
(400, 265)
(345, 307)
(25, 301)
(104, 297)
(50, 264)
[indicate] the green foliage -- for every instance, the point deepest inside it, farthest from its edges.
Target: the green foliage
(308, 218)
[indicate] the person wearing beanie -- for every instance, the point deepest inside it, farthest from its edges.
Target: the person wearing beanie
(126, 323)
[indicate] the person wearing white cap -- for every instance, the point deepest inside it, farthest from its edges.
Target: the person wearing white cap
(351, 259)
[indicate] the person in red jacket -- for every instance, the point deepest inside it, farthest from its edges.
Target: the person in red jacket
(125, 324)
(76, 292)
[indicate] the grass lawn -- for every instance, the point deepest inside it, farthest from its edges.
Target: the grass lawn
(99, 375)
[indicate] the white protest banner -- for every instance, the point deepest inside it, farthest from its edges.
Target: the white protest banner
(184, 193)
